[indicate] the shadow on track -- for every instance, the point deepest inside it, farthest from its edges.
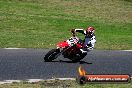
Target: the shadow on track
(80, 62)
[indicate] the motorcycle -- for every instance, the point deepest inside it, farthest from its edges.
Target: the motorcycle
(69, 49)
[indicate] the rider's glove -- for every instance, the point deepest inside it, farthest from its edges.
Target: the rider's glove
(73, 31)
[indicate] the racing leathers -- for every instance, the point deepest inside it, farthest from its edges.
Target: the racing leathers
(89, 40)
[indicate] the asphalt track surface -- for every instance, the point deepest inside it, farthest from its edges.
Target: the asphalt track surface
(21, 64)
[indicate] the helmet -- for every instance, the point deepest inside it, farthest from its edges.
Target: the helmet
(90, 30)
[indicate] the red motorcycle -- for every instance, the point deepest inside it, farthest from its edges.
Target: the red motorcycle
(69, 49)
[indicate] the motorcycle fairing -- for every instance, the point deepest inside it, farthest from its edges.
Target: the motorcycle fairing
(62, 44)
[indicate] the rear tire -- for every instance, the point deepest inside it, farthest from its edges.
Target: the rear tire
(51, 55)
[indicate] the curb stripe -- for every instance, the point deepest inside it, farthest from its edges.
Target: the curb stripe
(14, 48)
(127, 50)
(34, 80)
(9, 81)
(62, 79)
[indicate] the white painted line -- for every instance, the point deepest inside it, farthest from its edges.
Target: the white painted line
(14, 48)
(62, 79)
(12, 81)
(66, 78)
(34, 80)
(9, 81)
(3, 83)
(127, 50)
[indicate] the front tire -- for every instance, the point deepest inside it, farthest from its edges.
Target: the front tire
(51, 55)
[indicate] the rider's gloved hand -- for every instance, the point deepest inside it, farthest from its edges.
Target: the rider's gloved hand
(73, 31)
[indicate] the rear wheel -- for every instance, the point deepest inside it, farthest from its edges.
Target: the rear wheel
(51, 55)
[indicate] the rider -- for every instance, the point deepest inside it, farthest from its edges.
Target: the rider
(89, 40)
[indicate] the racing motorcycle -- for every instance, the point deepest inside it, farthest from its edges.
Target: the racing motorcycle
(69, 49)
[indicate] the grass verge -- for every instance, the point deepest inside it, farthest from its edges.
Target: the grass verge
(42, 23)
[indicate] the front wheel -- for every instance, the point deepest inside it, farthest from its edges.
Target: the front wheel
(51, 55)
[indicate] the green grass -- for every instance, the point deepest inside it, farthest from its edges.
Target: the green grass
(65, 84)
(42, 23)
